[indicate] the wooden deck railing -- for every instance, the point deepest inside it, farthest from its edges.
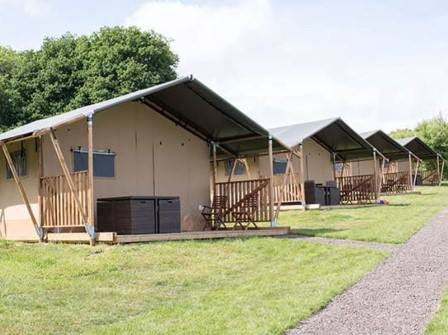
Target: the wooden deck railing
(237, 190)
(58, 205)
(430, 177)
(290, 192)
(396, 182)
(356, 189)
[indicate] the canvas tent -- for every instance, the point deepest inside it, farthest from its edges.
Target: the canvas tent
(420, 149)
(392, 179)
(319, 147)
(153, 142)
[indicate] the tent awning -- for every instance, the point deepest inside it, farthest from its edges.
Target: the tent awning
(418, 147)
(389, 147)
(332, 134)
(188, 103)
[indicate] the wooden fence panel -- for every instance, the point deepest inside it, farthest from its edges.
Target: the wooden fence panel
(430, 177)
(396, 182)
(289, 193)
(58, 204)
(237, 190)
(356, 189)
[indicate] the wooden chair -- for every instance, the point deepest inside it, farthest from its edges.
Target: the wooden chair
(214, 215)
(244, 214)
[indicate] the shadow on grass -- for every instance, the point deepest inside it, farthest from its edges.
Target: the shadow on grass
(313, 231)
(398, 205)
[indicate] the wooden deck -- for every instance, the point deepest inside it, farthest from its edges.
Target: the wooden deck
(113, 238)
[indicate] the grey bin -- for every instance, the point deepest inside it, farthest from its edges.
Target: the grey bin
(139, 215)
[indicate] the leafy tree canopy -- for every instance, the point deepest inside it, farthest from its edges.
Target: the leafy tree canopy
(73, 71)
(433, 132)
(402, 133)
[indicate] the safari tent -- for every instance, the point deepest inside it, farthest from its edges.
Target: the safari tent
(152, 151)
(396, 167)
(307, 174)
(324, 147)
(432, 172)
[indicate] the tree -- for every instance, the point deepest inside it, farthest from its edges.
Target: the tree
(402, 133)
(69, 72)
(433, 132)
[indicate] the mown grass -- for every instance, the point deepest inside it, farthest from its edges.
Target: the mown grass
(251, 286)
(394, 223)
(439, 324)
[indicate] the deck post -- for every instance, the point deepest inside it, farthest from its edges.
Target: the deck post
(271, 183)
(441, 172)
(90, 228)
(302, 175)
(375, 174)
(383, 163)
(232, 171)
(416, 172)
(38, 229)
(334, 165)
(214, 169)
(39, 181)
(438, 169)
(246, 165)
(411, 183)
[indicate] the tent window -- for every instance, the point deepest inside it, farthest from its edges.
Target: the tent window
(19, 161)
(279, 166)
(103, 162)
(240, 168)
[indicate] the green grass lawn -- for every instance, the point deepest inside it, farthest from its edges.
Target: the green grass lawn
(439, 325)
(395, 223)
(249, 286)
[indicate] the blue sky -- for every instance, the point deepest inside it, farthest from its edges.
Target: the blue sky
(377, 64)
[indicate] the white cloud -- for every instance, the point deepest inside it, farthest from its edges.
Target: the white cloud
(304, 63)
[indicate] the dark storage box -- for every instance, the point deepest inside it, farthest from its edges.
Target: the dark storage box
(139, 215)
(323, 195)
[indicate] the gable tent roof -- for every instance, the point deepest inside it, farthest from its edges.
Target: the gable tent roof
(188, 103)
(389, 147)
(418, 147)
(333, 134)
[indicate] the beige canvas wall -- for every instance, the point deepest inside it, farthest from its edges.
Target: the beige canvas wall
(402, 165)
(318, 164)
(15, 222)
(153, 157)
(364, 167)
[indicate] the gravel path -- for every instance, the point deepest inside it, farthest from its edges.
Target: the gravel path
(350, 243)
(398, 297)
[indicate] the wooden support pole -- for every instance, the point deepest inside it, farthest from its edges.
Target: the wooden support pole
(214, 169)
(382, 174)
(68, 177)
(302, 175)
(441, 172)
(438, 170)
(39, 181)
(411, 184)
(334, 165)
(232, 170)
(246, 165)
(22, 192)
(91, 200)
(271, 183)
(375, 174)
(416, 172)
